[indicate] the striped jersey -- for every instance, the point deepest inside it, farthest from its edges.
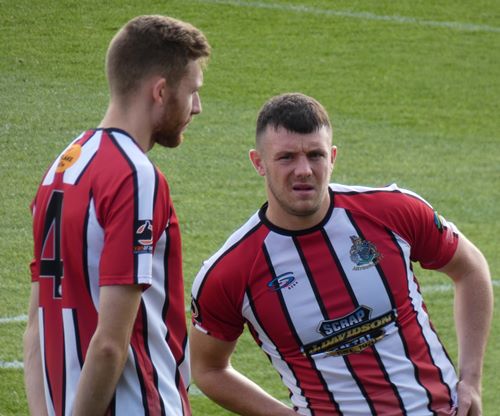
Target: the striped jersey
(337, 308)
(103, 216)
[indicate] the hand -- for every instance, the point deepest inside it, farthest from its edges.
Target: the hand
(469, 400)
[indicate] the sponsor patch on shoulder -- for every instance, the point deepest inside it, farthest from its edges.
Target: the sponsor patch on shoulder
(440, 222)
(143, 237)
(69, 158)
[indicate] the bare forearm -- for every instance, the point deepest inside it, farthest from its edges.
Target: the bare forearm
(33, 374)
(235, 392)
(101, 372)
(473, 314)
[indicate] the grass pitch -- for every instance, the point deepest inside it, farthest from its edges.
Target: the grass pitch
(413, 90)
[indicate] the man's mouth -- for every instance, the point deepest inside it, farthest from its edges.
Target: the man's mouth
(302, 187)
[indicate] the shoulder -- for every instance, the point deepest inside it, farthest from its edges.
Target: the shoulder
(243, 236)
(238, 252)
(386, 197)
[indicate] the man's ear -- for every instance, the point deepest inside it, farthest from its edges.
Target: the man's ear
(159, 90)
(334, 155)
(256, 160)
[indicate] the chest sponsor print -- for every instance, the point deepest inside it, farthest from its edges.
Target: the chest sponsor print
(351, 333)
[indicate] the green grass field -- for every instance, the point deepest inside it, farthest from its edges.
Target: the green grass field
(413, 90)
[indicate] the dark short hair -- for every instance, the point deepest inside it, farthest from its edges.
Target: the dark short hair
(149, 45)
(295, 112)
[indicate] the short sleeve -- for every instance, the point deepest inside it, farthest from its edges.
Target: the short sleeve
(433, 240)
(216, 302)
(124, 199)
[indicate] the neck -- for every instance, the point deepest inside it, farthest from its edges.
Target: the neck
(130, 119)
(292, 221)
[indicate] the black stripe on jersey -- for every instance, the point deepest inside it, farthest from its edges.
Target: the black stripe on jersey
(340, 268)
(136, 201)
(377, 266)
(112, 405)
(383, 278)
(403, 339)
(77, 337)
(166, 257)
(85, 246)
(84, 142)
(148, 354)
(47, 378)
(310, 277)
(362, 389)
(178, 374)
(356, 304)
(141, 381)
(236, 244)
(297, 338)
(256, 334)
(441, 379)
(63, 395)
(383, 191)
(287, 316)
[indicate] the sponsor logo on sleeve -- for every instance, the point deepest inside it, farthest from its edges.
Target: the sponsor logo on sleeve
(143, 238)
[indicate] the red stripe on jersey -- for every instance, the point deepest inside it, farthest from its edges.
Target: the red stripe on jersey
(144, 365)
(374, 383)
(54, 352)
(413, 338)
(274, 318)
(337, 300)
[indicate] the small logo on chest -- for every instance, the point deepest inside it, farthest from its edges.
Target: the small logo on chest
(283, 281)
(363, 253)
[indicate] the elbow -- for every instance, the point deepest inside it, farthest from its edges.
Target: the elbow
(110, 351)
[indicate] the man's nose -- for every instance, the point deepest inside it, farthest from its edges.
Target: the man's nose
(303, 167)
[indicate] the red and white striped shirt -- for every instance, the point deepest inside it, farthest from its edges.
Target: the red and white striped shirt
(337, 308)
(103, 216)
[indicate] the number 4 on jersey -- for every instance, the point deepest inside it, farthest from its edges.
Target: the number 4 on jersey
(51, 265)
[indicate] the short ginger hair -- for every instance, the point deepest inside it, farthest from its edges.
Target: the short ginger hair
(149, 45)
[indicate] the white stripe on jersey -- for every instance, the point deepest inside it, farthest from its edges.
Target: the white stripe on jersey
(49, 177)
(161, 356)
(95, 243)
(72, 365)
(336, 187)
(281, 248)
(279, 364)
(41, 328)
(340, 379)
(436, 348)
(89, 149)
(146, 181)
(362, 282)
(128, 394)
(235, 238)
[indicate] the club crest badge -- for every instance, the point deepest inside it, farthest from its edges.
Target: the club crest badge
(363, 253)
